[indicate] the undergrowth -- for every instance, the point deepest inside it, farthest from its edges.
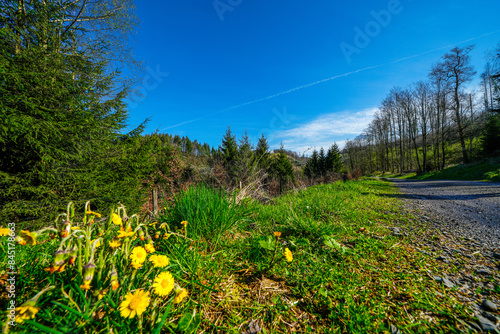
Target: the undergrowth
(318, 260)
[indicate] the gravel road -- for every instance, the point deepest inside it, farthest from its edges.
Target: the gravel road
(457, 224)
(473, 207)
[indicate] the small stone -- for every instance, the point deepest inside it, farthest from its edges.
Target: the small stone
(486, 324)
(437, 278)
(489, 316)
(395, 229)
(395, 330)
(475, 326)
(483, 271)
(489, 305)
(448, 283)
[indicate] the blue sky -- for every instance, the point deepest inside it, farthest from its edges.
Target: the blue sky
(258, 65)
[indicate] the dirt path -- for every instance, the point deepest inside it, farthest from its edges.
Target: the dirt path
(473, 208)
(458, 224)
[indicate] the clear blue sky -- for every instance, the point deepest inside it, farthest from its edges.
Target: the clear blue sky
(249, 64)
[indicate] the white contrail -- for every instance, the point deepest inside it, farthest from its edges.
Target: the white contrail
(325, 80)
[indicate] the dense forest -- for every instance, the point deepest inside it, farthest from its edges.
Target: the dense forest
(435, 122)
(64, 115)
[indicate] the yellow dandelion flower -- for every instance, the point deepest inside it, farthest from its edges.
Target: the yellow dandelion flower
(56, 269)
(134, 304)
(85, 285)
(116, 219)
(4, 231)
(101, 294)
(159, 261)
(139, 254)
(26, 311)
(184, 223)
(149, 248)
(277, 234)
(124, 234)
(166, 236)
(98, 244)
(288, 255)
(181, 294)
(163, 284)
(89, 213)
(115, 285)
(136, 265)
(114, 243)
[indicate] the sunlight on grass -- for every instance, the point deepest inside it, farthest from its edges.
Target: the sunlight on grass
(315, 260)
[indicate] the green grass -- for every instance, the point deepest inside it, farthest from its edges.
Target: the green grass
(348, 274)
(485, 170)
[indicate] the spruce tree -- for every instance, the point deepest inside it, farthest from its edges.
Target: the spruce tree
(62, 113)
(229, 154)
(336, 159)
(281, 168)
(245, 158)
(261, 155)
(321, 162)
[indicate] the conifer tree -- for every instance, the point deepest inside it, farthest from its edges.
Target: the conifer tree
(245, 162)
(321, 162)
(62, 110)
(261, 155)
(281, 168)
(335, 159)
(229, 153)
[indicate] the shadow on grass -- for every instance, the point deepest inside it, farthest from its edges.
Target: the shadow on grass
(441, 197)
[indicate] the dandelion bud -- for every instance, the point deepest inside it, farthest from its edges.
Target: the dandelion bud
(29, 237)
(66, 229)
(88, 275)
(114, 279)
(157, 234)
(20, 241)
(60, 257)
(140, 232)
(73, 254)
(180, 294)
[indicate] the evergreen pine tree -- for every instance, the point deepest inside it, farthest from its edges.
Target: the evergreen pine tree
(281, 168)
(338, 166)
(229, 154)
(245, 158)
(321, 162)
(261, 155)
(62, 114)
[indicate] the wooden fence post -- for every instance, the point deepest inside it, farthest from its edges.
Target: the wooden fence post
(155, 201)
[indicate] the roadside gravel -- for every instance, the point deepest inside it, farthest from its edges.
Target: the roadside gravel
(458, 224)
